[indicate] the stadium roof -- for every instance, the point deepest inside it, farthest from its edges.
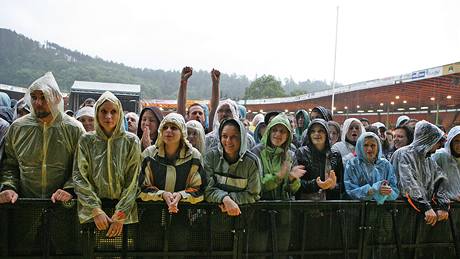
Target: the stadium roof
(98, 87)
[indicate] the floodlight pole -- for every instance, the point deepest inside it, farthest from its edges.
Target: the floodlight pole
(335, 60)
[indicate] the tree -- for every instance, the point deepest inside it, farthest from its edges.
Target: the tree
(264, 87)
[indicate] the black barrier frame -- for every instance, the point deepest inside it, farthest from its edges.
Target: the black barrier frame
(356, 240)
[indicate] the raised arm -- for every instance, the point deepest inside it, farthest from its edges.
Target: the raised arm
(215, 77)
(182, 94)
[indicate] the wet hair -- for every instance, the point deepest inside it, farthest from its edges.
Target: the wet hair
(409, 133)
(231, 122)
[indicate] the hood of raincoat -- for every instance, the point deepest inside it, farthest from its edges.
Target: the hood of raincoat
(156, 112)
(299, 131)
(346, 126)
(324, 125)
(85, 111)
(48, 85)
(243, 138)
(455, 131)
(179, 121)
(280, 119)
(378, 125)
(196, 125)
(269, 115)
(257, 135)
(6, 112)
(119, 129)
(425, 136)
(325, 113)
(401, 120)
(233, 108)
(360, 154)
(242, 111)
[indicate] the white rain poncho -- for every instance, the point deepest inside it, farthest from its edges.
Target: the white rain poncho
(39, 156)
(362, 174)
(420, 178)
(212, 138)
(401, 120)
(450, 165)
(107, 168)
(346, 149)
(199, 130)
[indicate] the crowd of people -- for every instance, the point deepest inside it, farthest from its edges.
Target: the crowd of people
(215, 154)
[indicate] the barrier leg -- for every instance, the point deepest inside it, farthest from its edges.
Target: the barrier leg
(274, 233)
(394, 213)
(343, 229)
(454, 237)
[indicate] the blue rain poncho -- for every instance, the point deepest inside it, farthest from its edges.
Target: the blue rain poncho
(450, 164)
(362, 174)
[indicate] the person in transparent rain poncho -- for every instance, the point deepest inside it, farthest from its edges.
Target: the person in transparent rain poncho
(86, 116)
(421, 181)
(351, 130)
(369, 176)
(195, 135)
(227, 109)
(37, 163)
(106, 167)
(448, 158)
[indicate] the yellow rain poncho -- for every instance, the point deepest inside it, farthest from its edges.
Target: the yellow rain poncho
(107, 168)
(39, 156)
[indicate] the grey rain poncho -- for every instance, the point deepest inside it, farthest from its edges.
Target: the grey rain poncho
(450, 164)
(420, 178)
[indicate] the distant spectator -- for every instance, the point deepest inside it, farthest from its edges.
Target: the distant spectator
(334, 132)
(195, 135)
(86, 116)
(147, 127)
(88, 102)
(319, 112)
(401, 120)
(351, 130)
(365, 122)
(302, 121)
(133, 120)
(6, 112)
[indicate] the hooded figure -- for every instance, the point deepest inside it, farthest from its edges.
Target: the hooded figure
(182, 174)
(319, 163)
(449, 161)
(401, 120)
(6, 112)
(258, 131)
(240, 179)
(195, 129)
(86, 116)
(272, 159)
(346, 147)
(143, 120)
(334, 131)
(319, 112)
(39, 155)
(363, 178)
(303, 116)
(420, 178)
(4, 126)
(229, 110)
(107, 166)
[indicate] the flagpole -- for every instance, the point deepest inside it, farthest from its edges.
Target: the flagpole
(335, 60)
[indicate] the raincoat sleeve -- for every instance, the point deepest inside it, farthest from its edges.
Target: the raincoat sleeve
(196, 181)
(440, 197)
(129, 194)
(306, 185)
(252, 192)
(149, 192)
(86, 193)
(354, 190)
(410, 188)
(75, 135)
(393, 183)
(212, 193)
(10, 165)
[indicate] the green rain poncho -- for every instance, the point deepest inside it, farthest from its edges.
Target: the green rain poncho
(39, 156)
(272, 158)
(107, 168)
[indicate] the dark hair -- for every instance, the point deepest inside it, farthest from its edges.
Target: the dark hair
(231, 122)
(409, 133)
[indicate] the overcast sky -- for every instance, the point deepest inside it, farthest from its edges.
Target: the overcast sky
(284, 38)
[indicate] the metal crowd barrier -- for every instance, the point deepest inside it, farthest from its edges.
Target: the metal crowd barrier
(304, 229)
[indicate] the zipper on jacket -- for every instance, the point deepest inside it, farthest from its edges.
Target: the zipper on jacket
(109, 164)
(44, 181)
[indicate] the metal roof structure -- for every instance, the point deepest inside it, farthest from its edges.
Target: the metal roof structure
(98, 87)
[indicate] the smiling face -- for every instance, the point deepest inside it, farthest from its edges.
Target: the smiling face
(171, 134)
(354, 131)
(318, 136)
(88, 122)
(400, 138)
(278, 135)
(230, 140)
(455, 145)
(108, 116)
